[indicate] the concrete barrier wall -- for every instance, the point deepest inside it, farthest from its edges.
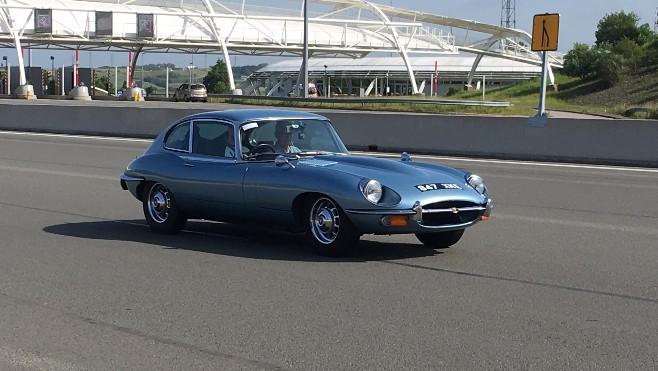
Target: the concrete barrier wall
(595, 141)
(625, 142)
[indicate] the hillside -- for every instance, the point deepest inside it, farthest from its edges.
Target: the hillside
(637, 90)
(574, 94)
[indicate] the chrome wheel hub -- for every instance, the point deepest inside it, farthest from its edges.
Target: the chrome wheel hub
(324, 221)
(158, 203)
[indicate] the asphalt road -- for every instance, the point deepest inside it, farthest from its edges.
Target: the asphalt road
(564, 276)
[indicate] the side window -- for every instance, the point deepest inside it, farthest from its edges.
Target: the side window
(213, 138)
(179, 138)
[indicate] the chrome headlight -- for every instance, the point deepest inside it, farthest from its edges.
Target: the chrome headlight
(476, 182)
(371, 189)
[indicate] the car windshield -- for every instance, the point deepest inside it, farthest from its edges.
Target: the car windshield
(290, 137)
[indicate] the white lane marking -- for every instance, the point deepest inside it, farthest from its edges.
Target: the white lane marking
(61, 173)
(116, 139)
(511, 162)
(382, 154)
(578, 224)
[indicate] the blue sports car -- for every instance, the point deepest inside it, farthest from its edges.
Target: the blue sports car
(290, 168)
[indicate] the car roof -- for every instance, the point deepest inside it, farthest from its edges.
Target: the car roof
(245, 115)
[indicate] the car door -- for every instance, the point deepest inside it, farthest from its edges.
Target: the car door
(180, 92)
(214, 181)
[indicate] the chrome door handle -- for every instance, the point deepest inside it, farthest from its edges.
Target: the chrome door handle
(187, 164)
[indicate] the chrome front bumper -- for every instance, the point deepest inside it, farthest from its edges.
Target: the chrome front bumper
(372, 221)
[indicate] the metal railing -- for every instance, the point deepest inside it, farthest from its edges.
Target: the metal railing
(364, 101)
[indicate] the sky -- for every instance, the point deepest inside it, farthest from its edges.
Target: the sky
(578, 22)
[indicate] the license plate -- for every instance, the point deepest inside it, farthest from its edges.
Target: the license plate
(437, 186)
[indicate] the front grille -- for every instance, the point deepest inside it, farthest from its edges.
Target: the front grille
(450, 204)
(448, 218)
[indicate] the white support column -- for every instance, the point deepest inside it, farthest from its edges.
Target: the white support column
(21, 66)
(401, 50)
(222, 44)
(167, 84)
(229, 69)
(477, 61)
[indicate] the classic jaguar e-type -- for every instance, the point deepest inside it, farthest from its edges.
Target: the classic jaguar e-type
(290, 168)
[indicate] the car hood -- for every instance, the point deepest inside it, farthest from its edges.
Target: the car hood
(391, 173)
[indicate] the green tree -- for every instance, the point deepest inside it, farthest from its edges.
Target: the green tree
(609, 66)
(580, 61)
(646, 36)
(651, 53)
(616, 26)
(103, 82)
(216, 81)
(630, 52)
(150, 90)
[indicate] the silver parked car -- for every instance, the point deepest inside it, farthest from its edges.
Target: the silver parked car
(290, 169)
(191, 93)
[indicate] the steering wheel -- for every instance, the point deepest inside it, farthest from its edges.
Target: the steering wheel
(263, 148)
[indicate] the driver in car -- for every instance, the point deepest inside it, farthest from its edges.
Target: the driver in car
(283, 134)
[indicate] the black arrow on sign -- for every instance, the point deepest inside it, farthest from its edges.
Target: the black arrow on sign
(544, 34)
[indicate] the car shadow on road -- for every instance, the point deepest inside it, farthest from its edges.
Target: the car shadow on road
(235, 240)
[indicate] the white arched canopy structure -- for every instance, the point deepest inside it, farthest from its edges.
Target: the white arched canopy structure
(348, 28)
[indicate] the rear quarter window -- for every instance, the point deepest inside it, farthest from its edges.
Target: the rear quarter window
(178, 138)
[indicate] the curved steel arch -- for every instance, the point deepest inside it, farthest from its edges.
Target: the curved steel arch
(352, 28)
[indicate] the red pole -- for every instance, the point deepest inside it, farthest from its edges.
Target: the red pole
(76, 82)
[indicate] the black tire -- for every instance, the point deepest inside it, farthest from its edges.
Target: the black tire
(327, 227)
(440, 240)
(161, 211)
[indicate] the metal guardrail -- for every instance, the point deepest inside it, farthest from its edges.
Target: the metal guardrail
(364, 101)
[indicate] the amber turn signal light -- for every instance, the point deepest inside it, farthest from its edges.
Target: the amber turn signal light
(395, 220)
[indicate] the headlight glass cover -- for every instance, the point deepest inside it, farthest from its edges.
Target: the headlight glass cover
(371, 189)
(476, 182)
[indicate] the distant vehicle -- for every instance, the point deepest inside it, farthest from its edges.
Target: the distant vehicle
(231, 166)
(191, 93)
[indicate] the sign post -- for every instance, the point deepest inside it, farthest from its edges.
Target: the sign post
(545, 31)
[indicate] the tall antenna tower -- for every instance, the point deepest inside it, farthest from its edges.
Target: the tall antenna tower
(508, 14)
(507, 17)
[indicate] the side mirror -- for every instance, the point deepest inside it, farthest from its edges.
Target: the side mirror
(281, 160)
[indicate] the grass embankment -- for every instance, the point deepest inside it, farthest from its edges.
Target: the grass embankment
(524, 98)
(637, 90)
